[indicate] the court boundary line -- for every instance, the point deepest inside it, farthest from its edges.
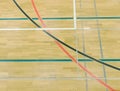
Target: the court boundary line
(68, 18)
(75, 14)
(56, 60)
(100, 42)
(61, 29)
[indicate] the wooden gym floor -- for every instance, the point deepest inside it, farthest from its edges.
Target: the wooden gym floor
(48, 73)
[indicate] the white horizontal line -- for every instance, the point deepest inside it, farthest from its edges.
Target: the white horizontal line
(38, 29)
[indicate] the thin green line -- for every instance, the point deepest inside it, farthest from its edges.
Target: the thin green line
(55, 60)
(70, 18)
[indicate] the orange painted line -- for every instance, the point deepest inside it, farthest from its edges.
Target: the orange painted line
(69, 55)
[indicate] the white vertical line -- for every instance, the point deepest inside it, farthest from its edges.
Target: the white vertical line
(74, 14)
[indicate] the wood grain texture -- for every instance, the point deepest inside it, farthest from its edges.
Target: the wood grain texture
(55, 76)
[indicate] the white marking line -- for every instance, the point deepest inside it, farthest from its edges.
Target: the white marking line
(85, 28)
(7, 29)
(75, 13)
(37, 29)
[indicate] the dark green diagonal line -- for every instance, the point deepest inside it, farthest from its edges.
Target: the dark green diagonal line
(70, 18)
(55, 60)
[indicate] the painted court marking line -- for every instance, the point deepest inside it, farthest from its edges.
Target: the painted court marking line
(69, 18)
(27, 29)
(55, 29)
(100, 42)
(56, 60)
(74, 14)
